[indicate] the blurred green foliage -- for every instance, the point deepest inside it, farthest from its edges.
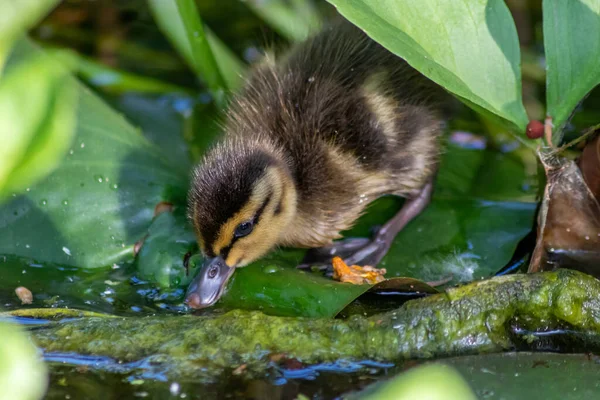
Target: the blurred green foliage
(572, 44)
(23, 375)
(37, 103)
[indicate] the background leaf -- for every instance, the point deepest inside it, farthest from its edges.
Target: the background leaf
(37, 115)
(16, 17)
(572, 44)
(100, 200)
(204, 52)
(469, 47)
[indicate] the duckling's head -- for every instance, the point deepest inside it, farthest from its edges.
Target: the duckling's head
(241, 200)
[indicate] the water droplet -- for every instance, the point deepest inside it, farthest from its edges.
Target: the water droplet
(27, 246)
(311, 79)
(99, 178)
(65, 202)
(112, 237)
(174, 389)
(71, 152)
(587, 238)
(28, 190)
(270, 269)
(43, 202)
(114, 186)
(66, 251)
(82, 145)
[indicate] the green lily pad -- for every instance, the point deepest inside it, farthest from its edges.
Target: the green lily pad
(100, 199)
(469, 47)
(163, 257)
(276, 288)
(572, 45)
(530, 375)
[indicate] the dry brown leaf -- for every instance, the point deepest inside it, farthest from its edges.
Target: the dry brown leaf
(589, 163)
(568, 220)
(355, 274)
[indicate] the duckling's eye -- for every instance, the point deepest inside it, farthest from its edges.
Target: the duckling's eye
(243, 229)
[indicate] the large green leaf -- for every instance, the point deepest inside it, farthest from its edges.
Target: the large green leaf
(100, 200)
(469, 47)
(572, 44)
(273, 286)
(37, 110)
(16, 17)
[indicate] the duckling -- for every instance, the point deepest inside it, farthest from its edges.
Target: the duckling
(309, 142)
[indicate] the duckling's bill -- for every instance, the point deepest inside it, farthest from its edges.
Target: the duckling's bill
(208, 286)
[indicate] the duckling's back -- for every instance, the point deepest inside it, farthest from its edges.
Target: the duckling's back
(353, 121)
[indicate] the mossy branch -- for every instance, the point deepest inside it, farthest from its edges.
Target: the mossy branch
(475, 318)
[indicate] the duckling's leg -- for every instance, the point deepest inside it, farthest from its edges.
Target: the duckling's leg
(361, 251)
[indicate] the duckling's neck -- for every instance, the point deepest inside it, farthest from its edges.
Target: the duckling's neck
(278, 185)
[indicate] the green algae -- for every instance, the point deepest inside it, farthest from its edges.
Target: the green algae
(53, 313)
(475, 318)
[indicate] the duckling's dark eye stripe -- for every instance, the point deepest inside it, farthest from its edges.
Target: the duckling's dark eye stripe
(261, 209)
(279, 207)
(225, 251)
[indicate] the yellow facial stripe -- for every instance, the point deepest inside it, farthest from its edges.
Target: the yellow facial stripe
(262, 188)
